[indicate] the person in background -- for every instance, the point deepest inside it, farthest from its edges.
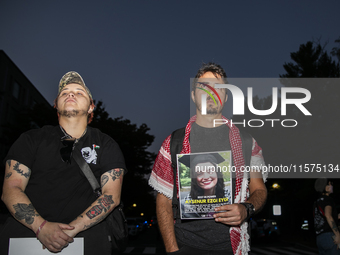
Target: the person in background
(325, 219)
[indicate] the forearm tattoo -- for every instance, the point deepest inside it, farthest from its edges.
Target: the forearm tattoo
(25, 212)
(116, 173)
(8, 175)
(99, 219)
(26, 174)
(334, 226)
(104, 205)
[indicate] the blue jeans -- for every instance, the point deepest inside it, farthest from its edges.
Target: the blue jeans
(326, 245)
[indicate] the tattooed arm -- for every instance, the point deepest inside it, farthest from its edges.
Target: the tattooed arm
(19, 205)
(111, 184)
(332, 223)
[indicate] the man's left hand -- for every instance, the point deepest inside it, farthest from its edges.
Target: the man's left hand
(233, 214)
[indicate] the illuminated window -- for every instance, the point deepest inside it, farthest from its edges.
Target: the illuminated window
(276, 209)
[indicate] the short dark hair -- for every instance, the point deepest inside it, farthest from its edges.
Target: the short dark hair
(216, 69)
(320, 185)
(212, 67)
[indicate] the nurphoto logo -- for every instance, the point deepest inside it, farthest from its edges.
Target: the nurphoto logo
(238, 104)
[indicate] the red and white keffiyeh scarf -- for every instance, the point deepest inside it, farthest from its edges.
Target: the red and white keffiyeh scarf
(161, 179)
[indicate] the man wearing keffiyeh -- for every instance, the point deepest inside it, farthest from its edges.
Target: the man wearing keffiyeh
(227, 232)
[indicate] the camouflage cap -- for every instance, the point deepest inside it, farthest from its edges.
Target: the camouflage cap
(73, 77)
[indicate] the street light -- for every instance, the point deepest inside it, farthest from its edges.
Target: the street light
(275, 186)
(276, 208)
(134, 205)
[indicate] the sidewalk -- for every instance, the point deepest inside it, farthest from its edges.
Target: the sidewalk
(304, 239)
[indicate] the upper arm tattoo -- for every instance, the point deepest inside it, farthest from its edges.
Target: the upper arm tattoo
(116, 173)
(26, 174)
(104, 180)
(9, 165)
(25, 212)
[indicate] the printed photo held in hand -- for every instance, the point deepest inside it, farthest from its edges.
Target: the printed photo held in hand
(205, 183)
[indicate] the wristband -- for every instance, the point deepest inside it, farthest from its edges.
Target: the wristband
(40, 228)
(250, 209)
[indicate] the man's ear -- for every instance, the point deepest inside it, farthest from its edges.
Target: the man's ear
(90, 109)
(193, 96)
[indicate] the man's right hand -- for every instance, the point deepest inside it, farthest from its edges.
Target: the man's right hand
(53, 237)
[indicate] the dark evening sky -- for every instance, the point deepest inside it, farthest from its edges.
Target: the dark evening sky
(138, 56)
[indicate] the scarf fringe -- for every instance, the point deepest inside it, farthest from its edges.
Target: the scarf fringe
(160, 189)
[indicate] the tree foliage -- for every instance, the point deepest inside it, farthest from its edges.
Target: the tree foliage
(312, 61)
(133, 141)
(336, 50)
(313, 140)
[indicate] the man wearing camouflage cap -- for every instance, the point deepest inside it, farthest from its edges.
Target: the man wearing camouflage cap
(44, 188)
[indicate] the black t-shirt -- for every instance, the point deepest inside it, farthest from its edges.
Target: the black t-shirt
(320, 222)
(206, 233)
(59, 191)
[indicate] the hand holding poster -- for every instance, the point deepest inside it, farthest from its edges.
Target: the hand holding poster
(205, 183)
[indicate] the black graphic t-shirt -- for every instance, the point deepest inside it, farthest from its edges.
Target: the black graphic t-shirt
(320, 222)
(58, 190)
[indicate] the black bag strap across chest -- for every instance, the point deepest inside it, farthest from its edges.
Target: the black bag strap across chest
(176, 143)
(85, 168)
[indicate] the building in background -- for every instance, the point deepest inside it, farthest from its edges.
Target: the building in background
(18, 97)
